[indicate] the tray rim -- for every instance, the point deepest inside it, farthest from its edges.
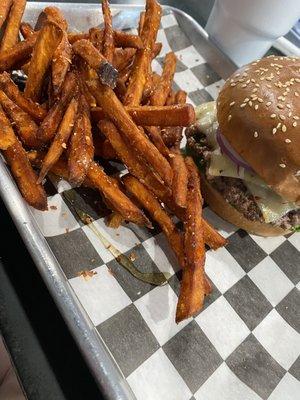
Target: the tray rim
(104, 368)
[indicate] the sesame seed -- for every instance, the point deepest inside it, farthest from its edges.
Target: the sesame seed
(269, 86)
(256, 107)
(260, 100)
(273, 115)
(244, 85)
(297, 80)
(295, 117)
(253, 96)
(289, 106)
(254, 90)
(282, 165)
(290, 114)
(253, 80)
(282, 117)
(294, 124)
(288, 141)
(229, 117)
(274, 130)
(255, 134)
(237, 75)
(283, 128)
(280, 106)
(243, 105)
(246, 100)
(296, 94)
(268, 103)
(257, 85)
(250, 103)
(232, 84)
(278, 125)
(64, 145)
(232, 103)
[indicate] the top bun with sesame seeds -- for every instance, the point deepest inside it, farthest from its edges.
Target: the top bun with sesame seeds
(258, 111)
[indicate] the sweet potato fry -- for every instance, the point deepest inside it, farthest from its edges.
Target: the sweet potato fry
(4, 10)
(61, 139)
(141, 23)
(142, 59)
(81, 145)
(149, 202)
(12, 91)
(60, 64)
(11, 33)
(108, 34)
(96, 37)
(74, 36)
(162, 91)
(114, 220)
(150, 86)
(27, 30)
(106, 72)
(48, 127)
(25, 125)
(52, 14)
(7, 135)
(47, 41)
(122, 58)
(120, 202)
(109, 102)
(24, 175)
(153, 132)
(180, 179)
(127, 155)
(192, 290)
(212, 238)
(178, 115)
(104, 149)
(124, 39)
(16, 55)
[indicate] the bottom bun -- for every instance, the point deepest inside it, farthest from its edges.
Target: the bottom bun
(220, 206)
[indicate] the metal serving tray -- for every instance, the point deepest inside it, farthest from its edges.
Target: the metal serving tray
(102, 365)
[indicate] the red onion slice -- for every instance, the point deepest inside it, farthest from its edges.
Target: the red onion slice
(230, 153)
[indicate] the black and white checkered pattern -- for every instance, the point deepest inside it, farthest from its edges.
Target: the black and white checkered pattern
(244, 345)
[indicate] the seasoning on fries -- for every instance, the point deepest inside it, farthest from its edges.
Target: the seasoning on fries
(91, 98)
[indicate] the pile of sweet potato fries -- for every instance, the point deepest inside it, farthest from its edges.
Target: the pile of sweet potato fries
(91, 96)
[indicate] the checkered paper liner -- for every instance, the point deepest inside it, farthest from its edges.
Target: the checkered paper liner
(244, 344)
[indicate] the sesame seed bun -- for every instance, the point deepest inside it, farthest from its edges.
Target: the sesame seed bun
(220, 206)
(258, 112)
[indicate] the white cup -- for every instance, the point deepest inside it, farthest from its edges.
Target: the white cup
(246, 29)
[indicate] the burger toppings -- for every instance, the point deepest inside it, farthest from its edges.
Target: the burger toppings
(232, 177)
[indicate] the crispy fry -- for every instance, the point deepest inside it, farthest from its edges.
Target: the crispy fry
(127, 155)
(17, 55)
(162, 91)
(180, 179)
(104, 149)
(192, 288)
(141, 23)
(52, 14)
(114, 220)
(60, 64)
(96, 37)
(49, 125)
(74, 36)
(154, 208)
(212, 238)
(124, 39)
(122, 58)
(181, 115)
(120, 202)
(25, 177)
(4, 10)
(81, 145)
(26, 30)
(12, 91)
(7, 136)
(150, 86)
(107, 99)
(153, 133)
(11, 33)
(47, 41)
(61, 139)
(106, 72)
(171, 98)
(142, 59)
(108, 34)
(25, 125)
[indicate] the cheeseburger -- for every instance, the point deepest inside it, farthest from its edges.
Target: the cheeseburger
(247, 146)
